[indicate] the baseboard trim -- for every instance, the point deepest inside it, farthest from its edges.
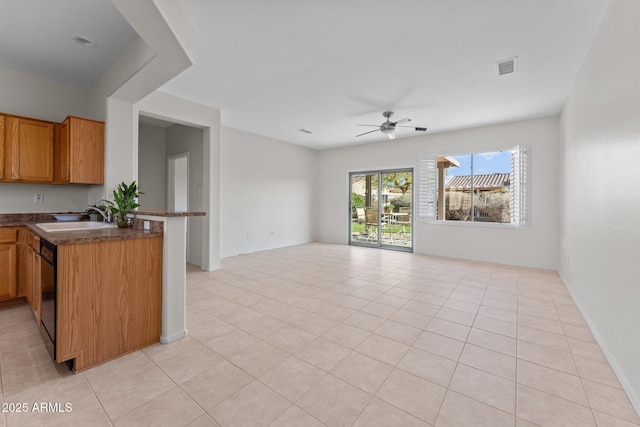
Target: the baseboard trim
(635, 400)
(172, 337)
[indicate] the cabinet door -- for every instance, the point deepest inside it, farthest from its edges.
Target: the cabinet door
(86, 151)
(25, 274)
(8, 269)
(34, 283)
(61, 153)
(31, 149)
(2, 146)
(24, 261)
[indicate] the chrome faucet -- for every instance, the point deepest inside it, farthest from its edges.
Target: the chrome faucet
(106, 214)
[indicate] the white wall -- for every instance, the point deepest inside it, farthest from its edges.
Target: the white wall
(268, 193)
(18, 198)
(152, 171)
(536, 246)
(32, 96)
(185, 139)
(27, 95)
(600, 235)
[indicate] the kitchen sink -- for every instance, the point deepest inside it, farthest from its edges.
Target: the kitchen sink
(74, 226)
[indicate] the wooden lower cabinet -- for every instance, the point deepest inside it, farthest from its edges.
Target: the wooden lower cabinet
(109, 299)
(30, 270)
(8, 263)
(8, 271)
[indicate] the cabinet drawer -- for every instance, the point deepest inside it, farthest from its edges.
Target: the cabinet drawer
(34, 241)
(8, 235)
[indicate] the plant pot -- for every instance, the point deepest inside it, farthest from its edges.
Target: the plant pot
(123, 221)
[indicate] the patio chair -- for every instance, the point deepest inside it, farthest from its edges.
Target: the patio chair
(361, 215)
(404, 221)
(371, 223)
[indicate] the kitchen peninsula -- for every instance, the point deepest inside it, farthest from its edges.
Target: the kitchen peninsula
(103, 296)
(174, 274)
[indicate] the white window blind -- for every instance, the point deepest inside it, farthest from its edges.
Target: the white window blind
(518, 187)
(427, 188)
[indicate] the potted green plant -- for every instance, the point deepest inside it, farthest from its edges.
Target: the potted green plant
(125, 199)
(388, 208)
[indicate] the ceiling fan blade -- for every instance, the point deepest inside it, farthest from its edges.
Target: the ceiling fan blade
(371, 131)
(420, 129)
(388, 126)
(405, 120)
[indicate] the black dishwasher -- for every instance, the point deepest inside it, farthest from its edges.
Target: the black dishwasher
(48, 289)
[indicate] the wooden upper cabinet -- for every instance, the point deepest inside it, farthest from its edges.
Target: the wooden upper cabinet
(2, 134)
(79, 151)
(61, 153)
(33, 150)
(28, 150)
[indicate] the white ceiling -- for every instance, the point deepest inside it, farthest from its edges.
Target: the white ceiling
(36, 36)
(278, 66)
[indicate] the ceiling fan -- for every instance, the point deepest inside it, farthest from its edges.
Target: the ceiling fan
(389, 127)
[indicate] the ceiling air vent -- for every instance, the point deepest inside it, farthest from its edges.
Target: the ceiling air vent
(507, 66)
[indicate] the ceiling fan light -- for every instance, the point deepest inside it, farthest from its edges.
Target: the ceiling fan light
(392, 135)
(387, 130)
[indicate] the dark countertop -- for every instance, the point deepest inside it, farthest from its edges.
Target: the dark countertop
(76, 237)
(19, 219)
(151, 212)
(91, 236)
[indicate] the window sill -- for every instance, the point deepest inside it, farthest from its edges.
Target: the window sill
(478, 224)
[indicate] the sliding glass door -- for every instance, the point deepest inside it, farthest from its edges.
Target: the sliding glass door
(381, 209)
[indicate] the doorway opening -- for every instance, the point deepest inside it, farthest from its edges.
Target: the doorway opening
(381, 209)
(178, 187)
(171, 175)
(178, 182)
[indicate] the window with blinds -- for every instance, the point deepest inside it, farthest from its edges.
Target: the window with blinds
(487, 187)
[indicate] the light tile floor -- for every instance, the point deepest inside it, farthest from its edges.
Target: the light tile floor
(335, 335)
